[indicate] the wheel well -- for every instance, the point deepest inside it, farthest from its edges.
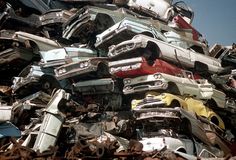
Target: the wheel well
(103, 21)
(154, 49)
(215, 120)
(200, 67)
(102, 70)
(182, 150)
(186, 127)
(49, 83)
(175, 103)
(172, 88)
(33, 45)
(211, 103)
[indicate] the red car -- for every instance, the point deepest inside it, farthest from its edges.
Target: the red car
(139, 66)
(182, 24)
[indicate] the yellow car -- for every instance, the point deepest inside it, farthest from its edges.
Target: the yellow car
(200, 109)
(154, 99)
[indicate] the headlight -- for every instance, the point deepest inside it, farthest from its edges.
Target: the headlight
(81, 65)
(127, 81)
(157, 76)
(61, 71)
(163, 96)
(84, 64)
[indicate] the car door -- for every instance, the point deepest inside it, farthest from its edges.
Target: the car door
(185, 57)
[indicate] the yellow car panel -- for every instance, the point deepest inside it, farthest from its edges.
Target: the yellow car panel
(200, 109)
(167, 98)
(187, 103)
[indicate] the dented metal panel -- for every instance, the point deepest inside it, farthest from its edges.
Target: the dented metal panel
(52, 123)
(113, 79)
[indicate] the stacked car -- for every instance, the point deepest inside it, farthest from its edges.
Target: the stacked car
(125, 79)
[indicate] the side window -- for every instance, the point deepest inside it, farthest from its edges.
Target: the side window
(187, 74)
(197, 49)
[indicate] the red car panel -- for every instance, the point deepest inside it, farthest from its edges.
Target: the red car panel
(181, 23)
(145, 69)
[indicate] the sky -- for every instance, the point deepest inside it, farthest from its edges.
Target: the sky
(215, 19)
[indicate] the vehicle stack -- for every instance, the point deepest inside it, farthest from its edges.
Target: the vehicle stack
(112, 79)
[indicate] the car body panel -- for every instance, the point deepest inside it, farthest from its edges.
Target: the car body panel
(189, 104)
(148, 82)
(164, 99)
(43, 6)
(162, 8)
(100, 93)
(36, 101)
(199, 108)
(81, 67)
(61, 56)
(134, 67)
(182, 24)
(219, 98)
(55, 17)
(168, 52)
(32, 77)
(7, 129)
(98, 86)
(158, 143)
(30, 40)
(125, 30)
(186, 86)
(44, 44)
(91, 19)
(5, 113)
(224, 83)
(185, 11)
(52, 123)
(154, 121)
(227, 54)
(14, 59)
(185, 39)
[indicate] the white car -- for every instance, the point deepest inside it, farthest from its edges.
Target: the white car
(185, 39)
(161, 8)
(177, 144)
(167, 51)
(184, 84)
(171, 128)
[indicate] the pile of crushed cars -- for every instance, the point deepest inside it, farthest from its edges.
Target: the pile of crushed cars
(121, 79)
